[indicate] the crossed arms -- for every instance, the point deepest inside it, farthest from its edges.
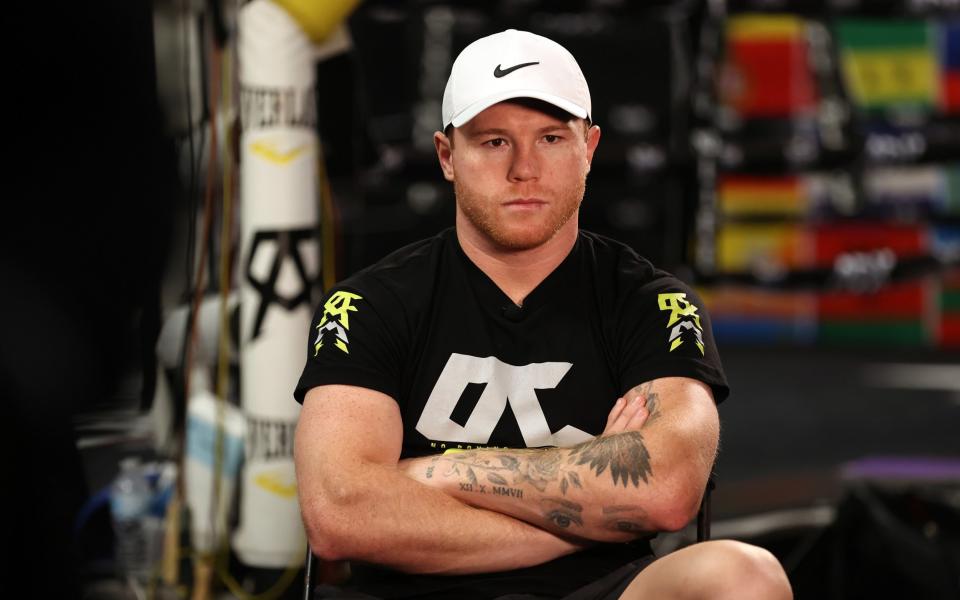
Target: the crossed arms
(445, 514)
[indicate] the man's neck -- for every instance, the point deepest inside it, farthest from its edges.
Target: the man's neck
(518, 272)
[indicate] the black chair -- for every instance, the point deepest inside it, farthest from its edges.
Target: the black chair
(309, 574)
(311, 569)
(703, 515)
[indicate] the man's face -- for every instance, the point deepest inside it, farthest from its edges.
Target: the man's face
(519, 174)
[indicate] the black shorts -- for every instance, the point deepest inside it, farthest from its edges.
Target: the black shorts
(608, 587)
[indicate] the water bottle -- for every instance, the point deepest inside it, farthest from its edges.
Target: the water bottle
(130, 497)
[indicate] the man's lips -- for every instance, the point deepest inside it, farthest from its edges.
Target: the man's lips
(525, 203)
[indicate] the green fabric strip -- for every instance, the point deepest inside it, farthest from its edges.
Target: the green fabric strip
(886, 34)
(907, 333)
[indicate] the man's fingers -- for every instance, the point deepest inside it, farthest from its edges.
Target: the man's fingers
(639, 398)
(638, 419)
(624, 414)
(635, 404)
(615, 412)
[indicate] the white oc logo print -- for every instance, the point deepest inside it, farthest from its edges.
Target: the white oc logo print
(505, 384)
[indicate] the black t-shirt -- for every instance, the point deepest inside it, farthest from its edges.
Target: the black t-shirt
(471, 369)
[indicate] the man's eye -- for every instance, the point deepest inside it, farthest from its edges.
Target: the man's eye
(496, 142)
(563, 519)
(551, 139)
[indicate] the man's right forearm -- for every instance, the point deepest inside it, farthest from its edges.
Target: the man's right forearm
(375, 513)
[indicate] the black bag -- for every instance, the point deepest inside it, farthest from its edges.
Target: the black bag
(886, 542)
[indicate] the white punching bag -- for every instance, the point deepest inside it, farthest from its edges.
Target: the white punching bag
(280, 264)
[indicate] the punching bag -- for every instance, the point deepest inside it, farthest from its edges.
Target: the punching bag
(279, 270)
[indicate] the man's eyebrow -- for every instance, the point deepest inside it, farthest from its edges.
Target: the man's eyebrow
(487, 131)
(498, 131)
(557, 127)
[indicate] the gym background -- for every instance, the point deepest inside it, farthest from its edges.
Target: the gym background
(797, 161)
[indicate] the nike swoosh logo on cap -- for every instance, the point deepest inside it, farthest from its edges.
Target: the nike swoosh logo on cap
(498, 72)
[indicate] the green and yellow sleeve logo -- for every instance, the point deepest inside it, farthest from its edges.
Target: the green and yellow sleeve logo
(683, 317)
(336, 319)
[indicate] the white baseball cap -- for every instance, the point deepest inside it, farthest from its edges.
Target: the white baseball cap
(513, 64)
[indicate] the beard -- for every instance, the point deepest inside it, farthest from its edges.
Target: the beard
(520, 232)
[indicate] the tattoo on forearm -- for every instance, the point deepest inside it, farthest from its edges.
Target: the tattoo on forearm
(617, 509)
(625, 517)
(496, 490)
(538, 468)
(500, 490)
(653, 403)
(488, 472)
(625, 526)
(562, 512)
(625, 454)
(494, 478)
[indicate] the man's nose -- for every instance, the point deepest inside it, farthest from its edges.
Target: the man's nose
(525, 164)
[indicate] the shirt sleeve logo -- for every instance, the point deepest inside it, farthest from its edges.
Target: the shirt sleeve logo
(336, 318)
(683, 317)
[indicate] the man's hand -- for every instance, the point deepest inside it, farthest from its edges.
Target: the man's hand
(629, 413)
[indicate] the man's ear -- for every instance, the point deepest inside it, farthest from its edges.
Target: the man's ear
(593, 139)
(444, 147)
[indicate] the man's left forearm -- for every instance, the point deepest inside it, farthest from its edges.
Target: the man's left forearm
(615, 487)
(585, 491)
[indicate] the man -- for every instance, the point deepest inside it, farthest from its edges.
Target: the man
(515, 407)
